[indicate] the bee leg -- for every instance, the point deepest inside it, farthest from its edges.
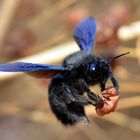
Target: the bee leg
(82, 85)
(81, 100)
(72, 95)
(115, 83)
(68, 94)
(93, 98)
(96, 99)
(102, 85)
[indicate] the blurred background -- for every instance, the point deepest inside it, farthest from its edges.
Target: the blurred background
(41, 31)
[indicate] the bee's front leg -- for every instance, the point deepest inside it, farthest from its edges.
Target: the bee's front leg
(82, 86)
(92, 97)
(115, 83)
(96, 99)
(102, 85)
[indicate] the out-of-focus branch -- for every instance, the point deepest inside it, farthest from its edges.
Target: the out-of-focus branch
(128, 32)
(47, 13)
(51, 56)
(37, 116)
(129, 102)
(7, 13)
(123, 120)
(138, 49)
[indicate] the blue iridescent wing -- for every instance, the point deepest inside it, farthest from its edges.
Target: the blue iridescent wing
(35, 70)
(84, 34)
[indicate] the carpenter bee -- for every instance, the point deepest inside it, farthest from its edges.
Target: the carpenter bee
(71, 80)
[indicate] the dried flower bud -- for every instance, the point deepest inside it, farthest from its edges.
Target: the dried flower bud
(110, 97)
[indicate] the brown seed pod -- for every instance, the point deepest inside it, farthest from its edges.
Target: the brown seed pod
(110, 97)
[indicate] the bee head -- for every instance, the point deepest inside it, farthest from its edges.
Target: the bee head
(99, 70)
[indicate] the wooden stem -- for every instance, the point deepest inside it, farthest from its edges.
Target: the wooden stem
(7, 13)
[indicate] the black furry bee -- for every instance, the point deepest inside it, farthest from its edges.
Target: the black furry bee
(70, 81)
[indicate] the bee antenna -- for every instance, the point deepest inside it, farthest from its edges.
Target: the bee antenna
(117, 57)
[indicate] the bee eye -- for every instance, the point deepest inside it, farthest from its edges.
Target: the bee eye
(92, 67)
